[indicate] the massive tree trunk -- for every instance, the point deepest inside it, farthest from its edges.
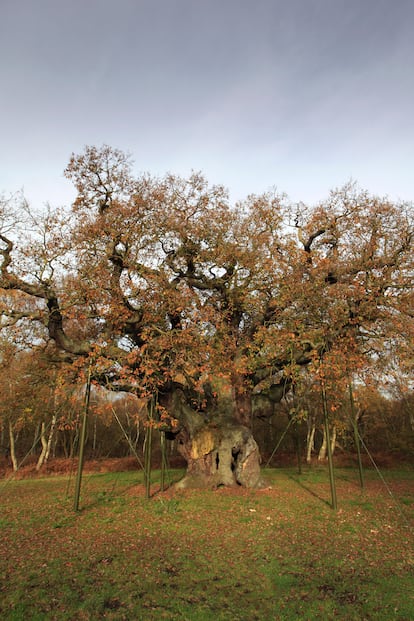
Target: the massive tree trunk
(218, 452)
(242, 399)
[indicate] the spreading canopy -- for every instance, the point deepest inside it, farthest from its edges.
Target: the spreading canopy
(164, 284)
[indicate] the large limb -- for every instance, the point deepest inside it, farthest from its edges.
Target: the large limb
(43, 291)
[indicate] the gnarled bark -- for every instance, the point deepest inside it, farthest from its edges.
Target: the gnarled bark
(222, 452)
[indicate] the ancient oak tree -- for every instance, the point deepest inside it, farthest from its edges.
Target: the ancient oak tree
(206, 309)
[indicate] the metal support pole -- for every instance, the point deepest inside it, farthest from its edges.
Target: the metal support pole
(82, 440)
(356, 434)
(329, 448)
(163, 458)
(148, 450)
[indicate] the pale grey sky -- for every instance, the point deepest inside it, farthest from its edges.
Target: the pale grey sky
(298, 94)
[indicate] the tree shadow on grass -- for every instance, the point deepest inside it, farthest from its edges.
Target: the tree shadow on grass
(351, 480)
(310, 490)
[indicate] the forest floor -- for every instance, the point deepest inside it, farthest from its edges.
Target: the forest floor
(278, 553)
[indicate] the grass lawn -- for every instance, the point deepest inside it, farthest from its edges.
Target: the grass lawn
(277, 553)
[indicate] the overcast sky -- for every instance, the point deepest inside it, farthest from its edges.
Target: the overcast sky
(298, 94)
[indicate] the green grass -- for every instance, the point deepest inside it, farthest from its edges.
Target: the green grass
(280, 553)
